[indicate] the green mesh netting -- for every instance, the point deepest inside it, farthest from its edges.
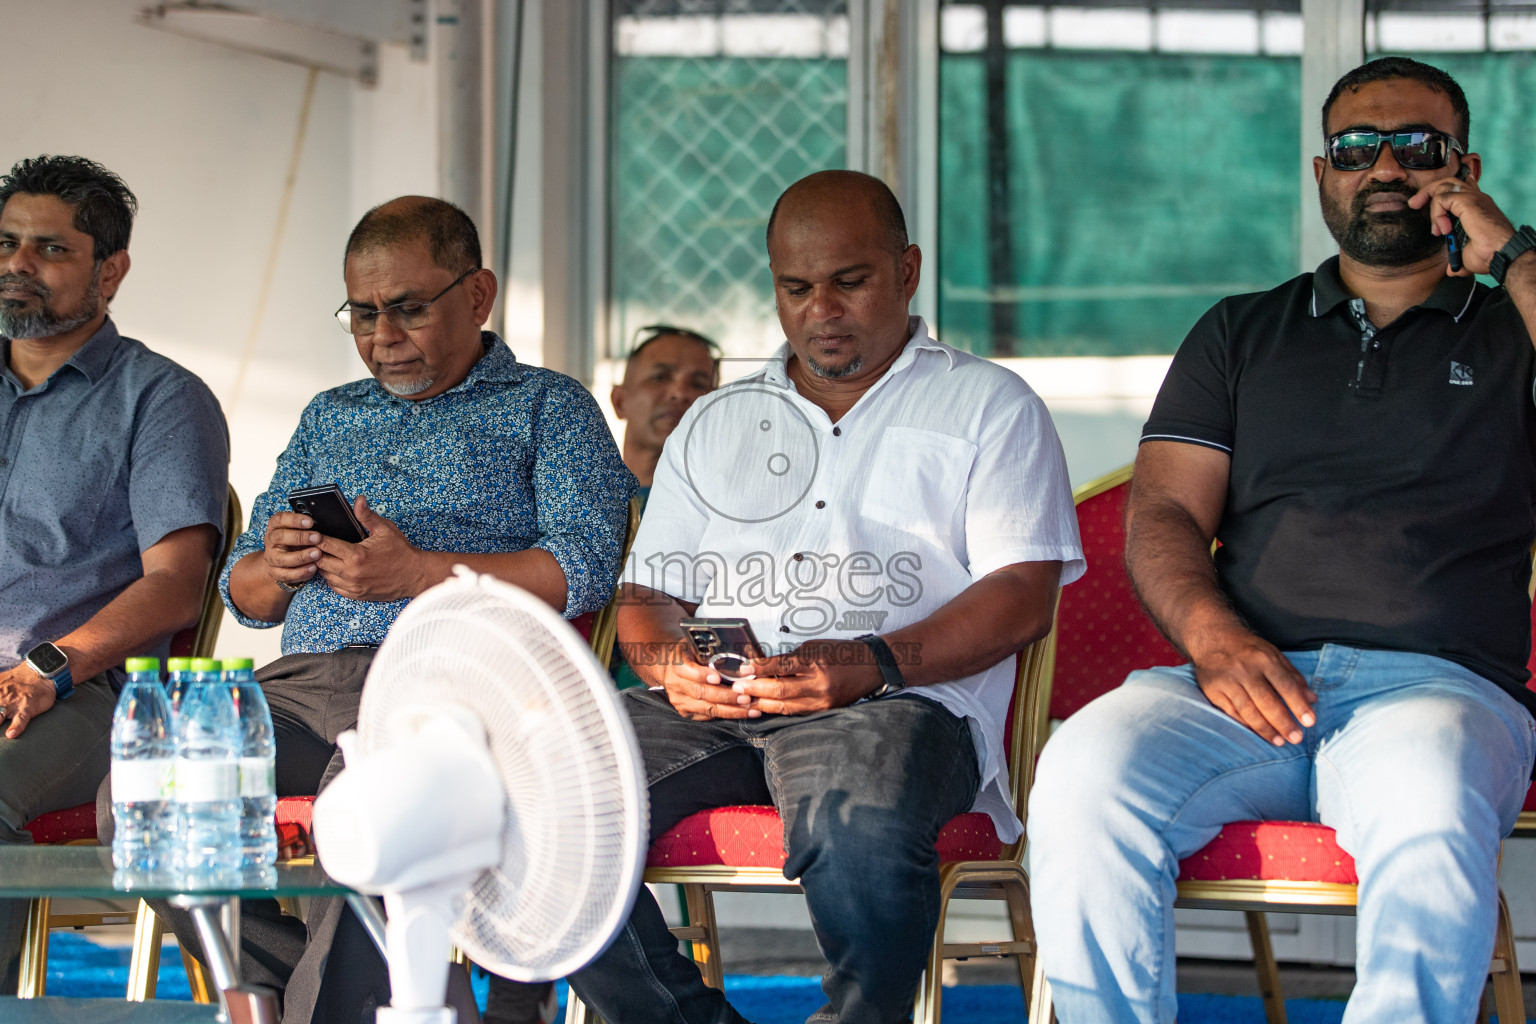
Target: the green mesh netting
(701, 149)
(1143, 187)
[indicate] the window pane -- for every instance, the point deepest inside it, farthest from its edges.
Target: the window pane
(717, 106)
(1139, 176)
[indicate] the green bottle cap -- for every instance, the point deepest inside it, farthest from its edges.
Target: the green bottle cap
(236, 664)
(178, 664)
(204, 665)
(142, 664)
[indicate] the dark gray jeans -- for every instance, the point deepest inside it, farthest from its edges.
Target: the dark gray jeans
(58, 762)
(863, 791)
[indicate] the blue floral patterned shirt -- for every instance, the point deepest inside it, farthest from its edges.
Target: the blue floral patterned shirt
(514, 457)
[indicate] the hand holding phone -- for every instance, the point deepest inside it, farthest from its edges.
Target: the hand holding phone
(725, 645)
(330, 510)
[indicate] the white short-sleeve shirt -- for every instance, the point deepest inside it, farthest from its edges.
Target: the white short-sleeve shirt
(948, 468)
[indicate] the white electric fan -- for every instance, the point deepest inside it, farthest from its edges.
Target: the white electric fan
(493, 795)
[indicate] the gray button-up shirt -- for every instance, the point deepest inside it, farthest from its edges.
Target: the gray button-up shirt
(115, 450)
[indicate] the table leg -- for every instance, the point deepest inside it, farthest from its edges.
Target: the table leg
(239, 1003)
(368, 912)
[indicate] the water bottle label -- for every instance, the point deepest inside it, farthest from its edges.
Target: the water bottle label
(258, 777)
(142, 780)
(201, 781)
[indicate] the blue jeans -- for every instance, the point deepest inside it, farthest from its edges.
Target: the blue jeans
(1420, 766)
(863, 792)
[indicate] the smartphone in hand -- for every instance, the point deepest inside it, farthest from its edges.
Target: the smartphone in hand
(725, 645)
(330, 510)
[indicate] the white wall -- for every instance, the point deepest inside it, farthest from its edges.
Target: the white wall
(203, 134)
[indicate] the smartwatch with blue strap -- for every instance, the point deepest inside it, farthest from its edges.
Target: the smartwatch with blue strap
(53, 665)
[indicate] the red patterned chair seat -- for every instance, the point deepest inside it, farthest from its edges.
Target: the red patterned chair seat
(75, 824)
(753, 837)
(1271, 851)
(294, 814)
(70, 825)
(1530, 799)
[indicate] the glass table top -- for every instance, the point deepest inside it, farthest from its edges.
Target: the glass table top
(104, 1011)
(85, 872)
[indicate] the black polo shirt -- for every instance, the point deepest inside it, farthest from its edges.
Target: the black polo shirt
(1382, 482)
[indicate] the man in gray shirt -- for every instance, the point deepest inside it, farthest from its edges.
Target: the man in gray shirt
(113, 474)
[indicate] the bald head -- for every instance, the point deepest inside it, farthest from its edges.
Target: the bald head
(841, 194)
(448, 232)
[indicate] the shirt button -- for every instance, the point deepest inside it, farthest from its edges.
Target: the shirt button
(821, 504)
(1375, 345)
(837, 431)
(799, 557)
(394, 460)
(4, 461)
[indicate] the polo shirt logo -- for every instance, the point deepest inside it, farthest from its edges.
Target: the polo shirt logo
(1461, 373)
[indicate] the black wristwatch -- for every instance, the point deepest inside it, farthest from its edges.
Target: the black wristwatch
(1523, 240)
(886, 662)
(53, 665)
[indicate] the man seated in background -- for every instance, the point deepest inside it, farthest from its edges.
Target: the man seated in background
(114, 469)
(867, 476)
(452, 452)
(666, 372)
(1363, 442)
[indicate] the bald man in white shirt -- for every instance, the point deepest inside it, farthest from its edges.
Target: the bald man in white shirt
(893, 517)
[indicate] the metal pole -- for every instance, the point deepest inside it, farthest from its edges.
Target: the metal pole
(457, 43)
(1000, 238)
(1332, 42)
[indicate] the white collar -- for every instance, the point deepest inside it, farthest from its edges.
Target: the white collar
(775, 370)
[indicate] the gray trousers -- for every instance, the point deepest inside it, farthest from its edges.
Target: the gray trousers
(58, 762)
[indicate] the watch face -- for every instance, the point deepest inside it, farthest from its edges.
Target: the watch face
(47, 659)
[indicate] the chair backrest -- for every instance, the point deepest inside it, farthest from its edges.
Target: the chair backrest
(1102, 633)
(605, 624)
(1027, 726)
(198, 641)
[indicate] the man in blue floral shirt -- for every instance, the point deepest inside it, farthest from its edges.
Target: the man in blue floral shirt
(452, 452)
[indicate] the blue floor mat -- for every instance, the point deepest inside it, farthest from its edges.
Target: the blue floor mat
(79, 967)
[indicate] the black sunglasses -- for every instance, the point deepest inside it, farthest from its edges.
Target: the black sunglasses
(1417, 149)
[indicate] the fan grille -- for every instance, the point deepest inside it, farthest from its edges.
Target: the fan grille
(576, 818)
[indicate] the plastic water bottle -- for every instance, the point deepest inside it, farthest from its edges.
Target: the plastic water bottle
(178, 678)
(258, 772)
(208, 774)
(143, 750)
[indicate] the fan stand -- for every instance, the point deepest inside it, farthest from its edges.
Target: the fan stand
(416, 937)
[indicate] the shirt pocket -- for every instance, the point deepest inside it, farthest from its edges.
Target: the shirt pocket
(917, 481)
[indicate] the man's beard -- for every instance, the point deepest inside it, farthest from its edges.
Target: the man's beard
(407, 388)
(835, 372)
(1393, 239)
(17, 322)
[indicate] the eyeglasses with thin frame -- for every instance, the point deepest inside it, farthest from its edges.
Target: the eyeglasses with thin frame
(407, 315)
(1415, 149)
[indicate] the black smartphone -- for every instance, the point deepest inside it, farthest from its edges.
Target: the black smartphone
(330, 510)
(725, 645)
(1456, 241)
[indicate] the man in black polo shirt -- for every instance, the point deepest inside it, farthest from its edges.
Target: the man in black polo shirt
(1363, 442)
